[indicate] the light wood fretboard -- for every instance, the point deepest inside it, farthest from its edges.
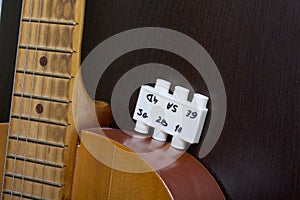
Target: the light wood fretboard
(42, 137)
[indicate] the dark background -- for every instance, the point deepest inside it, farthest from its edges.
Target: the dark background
(255, 45)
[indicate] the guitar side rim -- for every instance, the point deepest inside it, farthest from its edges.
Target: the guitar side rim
(185, 178)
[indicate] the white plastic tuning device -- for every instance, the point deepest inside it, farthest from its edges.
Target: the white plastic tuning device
(170, 114)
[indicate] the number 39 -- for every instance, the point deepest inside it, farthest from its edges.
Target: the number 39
(191, 114)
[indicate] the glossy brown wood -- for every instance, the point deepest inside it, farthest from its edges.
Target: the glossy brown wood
(185, 178)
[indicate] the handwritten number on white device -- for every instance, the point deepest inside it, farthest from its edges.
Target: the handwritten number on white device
(191, 114)
(152, 98)
(162, 121)
(178, 128)
(143, 114)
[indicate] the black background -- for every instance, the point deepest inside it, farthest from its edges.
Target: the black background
(255, 45)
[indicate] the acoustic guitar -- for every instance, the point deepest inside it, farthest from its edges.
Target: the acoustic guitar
(42, 158)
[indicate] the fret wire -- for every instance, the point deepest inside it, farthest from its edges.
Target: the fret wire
(53, 74)
(25, 195)
(37, 161)
(30, 105)
(33, 179)
(37, 141)
(61, 50)
(24, 64)
(64, 22)
(57, 100)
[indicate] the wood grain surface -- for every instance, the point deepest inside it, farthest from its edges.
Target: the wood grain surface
(98, 180)
(255, 45)
(3, 138)
(33, 100)
(132, 161)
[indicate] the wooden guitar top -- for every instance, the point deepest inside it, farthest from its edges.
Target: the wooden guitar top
(95, 177)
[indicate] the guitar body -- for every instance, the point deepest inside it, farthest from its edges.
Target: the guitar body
(95, 180)
(255, 46)
(122, 176)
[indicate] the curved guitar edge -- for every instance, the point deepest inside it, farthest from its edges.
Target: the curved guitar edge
(96, 180)
(3, 139)
(122, 173)
(186, 178)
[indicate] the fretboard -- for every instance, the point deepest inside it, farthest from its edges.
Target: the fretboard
(42, 137)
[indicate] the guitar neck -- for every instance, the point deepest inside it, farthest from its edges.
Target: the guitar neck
(42, 138)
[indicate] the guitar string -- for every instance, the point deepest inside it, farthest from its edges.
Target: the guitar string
(51, 91)
(31, 96)
(37, 131)
(37, 39)
(21, 98)
(64, 72)
(49, 106)
(55, 47)
(11, 108)
(51, 86)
